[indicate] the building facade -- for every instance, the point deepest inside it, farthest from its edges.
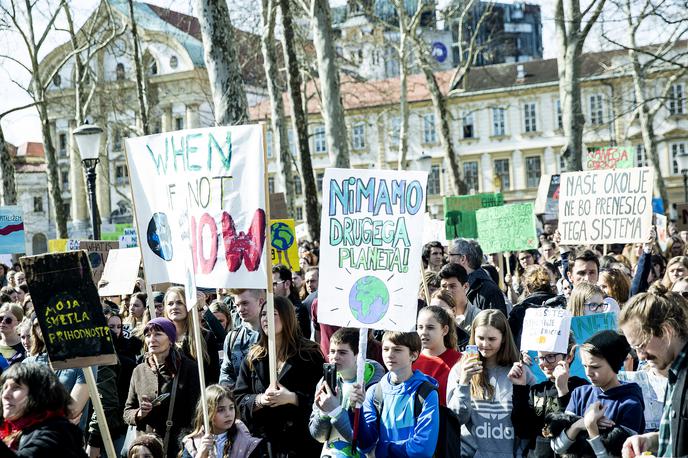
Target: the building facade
(178, 97)
(506, 126)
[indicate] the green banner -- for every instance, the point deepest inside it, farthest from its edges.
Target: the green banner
(507, 228)
(459, 213)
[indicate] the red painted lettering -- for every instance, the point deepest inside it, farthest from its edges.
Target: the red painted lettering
(207, 264)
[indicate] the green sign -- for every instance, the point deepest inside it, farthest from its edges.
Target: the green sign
(507, 228)
(116, 234)
(459, 213)
(609, 157)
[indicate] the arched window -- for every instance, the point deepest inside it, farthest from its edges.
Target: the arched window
(39, 244)
(174, 62)
(119, 71)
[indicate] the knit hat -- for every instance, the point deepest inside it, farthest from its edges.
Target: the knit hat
(166, 325)
(613, 347)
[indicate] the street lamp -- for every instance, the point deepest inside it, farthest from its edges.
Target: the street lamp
(423, 163)
(87, 138)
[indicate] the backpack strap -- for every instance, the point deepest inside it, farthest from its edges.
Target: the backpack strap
(422, 393)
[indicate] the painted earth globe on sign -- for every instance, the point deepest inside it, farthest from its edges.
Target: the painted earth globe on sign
(369, 299)
(281, 236)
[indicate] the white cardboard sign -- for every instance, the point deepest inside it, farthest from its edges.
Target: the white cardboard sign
(121, 271)
(371, 239)
(222, 171)
(546, 329)
(606, 206)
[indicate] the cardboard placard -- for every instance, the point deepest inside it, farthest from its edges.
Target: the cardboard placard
(68, 310)
(547, 200)
(459, 213)
(285, 248)
(606, 206)
(98, 251)
(223, 171)
(682, 217)
(546, 329)
(507, 228)
(609, 158)
(661, 225)
(12, 230)
(121, 271)
(62, 245)
(278, 206)
(370, 248)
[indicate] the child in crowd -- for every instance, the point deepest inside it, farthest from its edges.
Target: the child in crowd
(390, 421)
(607, 402)
(333, 412)
(588, 299)
(437, 332)
(228, 436)
(480, 392)
(532, 403)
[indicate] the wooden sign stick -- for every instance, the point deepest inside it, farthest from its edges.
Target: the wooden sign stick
(270, 303)
(100, 413)
(196, 323)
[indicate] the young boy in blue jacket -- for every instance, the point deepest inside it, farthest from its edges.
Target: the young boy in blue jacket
(607, 402)
(394, 431)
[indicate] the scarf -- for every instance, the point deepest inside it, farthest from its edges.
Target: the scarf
(10, 431)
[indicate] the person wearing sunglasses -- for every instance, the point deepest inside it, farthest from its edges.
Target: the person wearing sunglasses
(532, 403)
(11, 347)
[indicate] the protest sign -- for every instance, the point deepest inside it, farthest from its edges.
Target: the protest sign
(222, 168)
(370, 248)
(121, 271)
(284, 249)
(62, 245)
(507, 228)
(459, 213)
(546, 329)
(68, 310)
(12, 230)
(433, 230)
(654, 388)
(278, 206)
(97, 255)
(609, 157)
(606, 206)
(582, 328)
(682, 217)
(661, 222)
(547, 200)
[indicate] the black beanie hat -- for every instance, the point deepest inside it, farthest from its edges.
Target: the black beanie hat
(613, 347)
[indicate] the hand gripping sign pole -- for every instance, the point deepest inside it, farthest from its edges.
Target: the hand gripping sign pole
(270, 303)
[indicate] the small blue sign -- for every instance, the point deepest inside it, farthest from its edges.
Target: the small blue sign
(11, 231)
(439, 51)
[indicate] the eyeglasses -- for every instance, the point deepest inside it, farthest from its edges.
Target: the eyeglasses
(642, 345)
(275, 283)
(455, 254)
(6, 319)
(596, 306)
(551, 359)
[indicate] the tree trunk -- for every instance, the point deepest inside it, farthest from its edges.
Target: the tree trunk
(9, 187)
(141, 84)
(51, 162)
(300, 124)
(403, 89)
(439, 104)
(332, 108)
(224, 73)
(279, 125)
(570, 38)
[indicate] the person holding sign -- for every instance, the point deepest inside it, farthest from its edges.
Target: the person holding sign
(537, 289)
(164, 388)
(279, 414)
(532, 403)
(34, 404)
(607, 402)
(480, 391)
(333, 411)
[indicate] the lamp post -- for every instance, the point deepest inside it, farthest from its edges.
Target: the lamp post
(682, 160)
(88, 138)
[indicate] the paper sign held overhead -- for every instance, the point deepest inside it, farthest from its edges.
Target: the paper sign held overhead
(222, 171)
(12, 230)
(606, 206)
(98, 251)
(507, 228)
(121, 271)
(370, 248)
(284, 249)
(68, 310)
(546, 329)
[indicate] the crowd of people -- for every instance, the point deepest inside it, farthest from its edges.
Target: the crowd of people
(456, 386)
